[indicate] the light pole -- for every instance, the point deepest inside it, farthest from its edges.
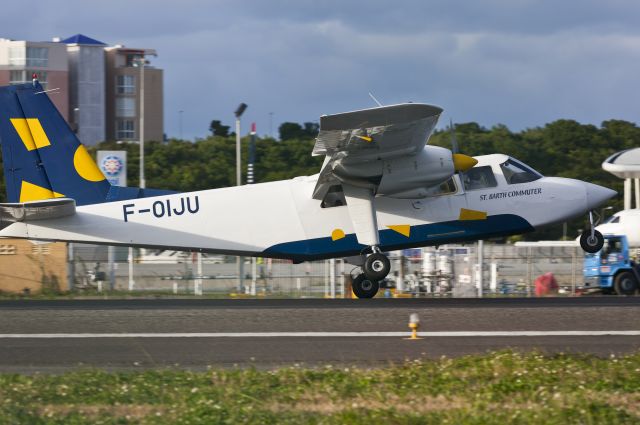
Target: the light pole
(180, 122)
(238, 113)
(141, 62)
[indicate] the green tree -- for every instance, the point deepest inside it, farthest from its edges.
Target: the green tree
(217, 129)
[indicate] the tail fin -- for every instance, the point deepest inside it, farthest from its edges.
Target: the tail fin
(42, 157)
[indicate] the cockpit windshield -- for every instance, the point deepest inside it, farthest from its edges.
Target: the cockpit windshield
(516, 173)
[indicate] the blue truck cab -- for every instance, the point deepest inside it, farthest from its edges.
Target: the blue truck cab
(611, 269)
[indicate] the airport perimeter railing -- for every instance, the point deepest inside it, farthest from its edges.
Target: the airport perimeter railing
(508, 270)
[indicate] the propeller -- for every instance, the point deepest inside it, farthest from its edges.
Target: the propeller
(461, 162)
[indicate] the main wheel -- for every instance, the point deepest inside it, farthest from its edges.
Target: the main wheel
(364, 287)
(625, 283)
(376, 266)
(591, 244)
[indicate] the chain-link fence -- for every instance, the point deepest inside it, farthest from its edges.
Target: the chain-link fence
(448, 271)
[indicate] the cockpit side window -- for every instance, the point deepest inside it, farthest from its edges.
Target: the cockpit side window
(516, 173)
(479, 178)
(445, 188)
(613, 219)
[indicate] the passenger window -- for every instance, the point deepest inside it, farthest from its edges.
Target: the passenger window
(479, 178)
(516, 173)
(445, 188)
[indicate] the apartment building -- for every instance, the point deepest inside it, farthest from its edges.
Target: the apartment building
(87, 96)
(97, 87)
(126, 67)
(19, 60)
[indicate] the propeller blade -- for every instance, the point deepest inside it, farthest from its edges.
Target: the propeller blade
(454, 141)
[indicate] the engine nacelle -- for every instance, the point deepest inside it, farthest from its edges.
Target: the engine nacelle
(412, 177)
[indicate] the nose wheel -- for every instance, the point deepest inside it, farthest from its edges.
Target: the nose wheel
(592, 240)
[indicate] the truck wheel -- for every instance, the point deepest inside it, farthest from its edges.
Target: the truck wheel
(625, 284)
(591, 244)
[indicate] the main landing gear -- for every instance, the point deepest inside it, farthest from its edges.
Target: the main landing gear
(591, 241)
(375, 268)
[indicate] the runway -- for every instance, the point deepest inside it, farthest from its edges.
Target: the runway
(53, 336)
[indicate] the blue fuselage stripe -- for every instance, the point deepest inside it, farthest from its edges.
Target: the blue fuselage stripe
(421, 235)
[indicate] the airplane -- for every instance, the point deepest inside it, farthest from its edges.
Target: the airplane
(381, 187)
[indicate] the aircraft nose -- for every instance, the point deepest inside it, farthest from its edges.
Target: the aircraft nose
(597, 195)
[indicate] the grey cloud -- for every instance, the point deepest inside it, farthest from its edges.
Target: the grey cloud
(518, 62)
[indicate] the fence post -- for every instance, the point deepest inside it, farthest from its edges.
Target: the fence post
(71, 267)
(332, 277)
(130, 260)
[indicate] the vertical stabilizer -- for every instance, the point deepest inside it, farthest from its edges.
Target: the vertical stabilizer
(42, 156)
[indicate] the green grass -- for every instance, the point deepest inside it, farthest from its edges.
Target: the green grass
(498, 388)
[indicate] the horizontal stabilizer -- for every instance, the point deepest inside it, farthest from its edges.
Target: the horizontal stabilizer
(37, 210)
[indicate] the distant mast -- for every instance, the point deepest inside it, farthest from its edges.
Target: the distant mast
(252, 154)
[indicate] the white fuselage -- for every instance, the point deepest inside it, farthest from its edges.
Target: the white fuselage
(282, 220)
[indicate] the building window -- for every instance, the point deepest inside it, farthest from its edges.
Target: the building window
(17, 56)
(125, 84)
(126, 130)
(41, 249)
(7, 250)
(132, 59)
(22, 76)
(125, 107)
(38, 56)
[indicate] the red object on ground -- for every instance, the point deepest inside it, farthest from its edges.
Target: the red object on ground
(546, 285)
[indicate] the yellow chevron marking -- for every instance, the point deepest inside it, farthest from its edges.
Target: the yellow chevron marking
(337, 234)
(403, 229)
(466, 214)
(31, 133)
(33, 192)
(365, 138)
(86, 166)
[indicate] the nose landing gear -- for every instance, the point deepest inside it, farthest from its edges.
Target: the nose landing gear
(592, 240)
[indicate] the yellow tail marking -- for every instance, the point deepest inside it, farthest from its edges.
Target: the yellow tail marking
(33, 192)
(31, 133)
(403, 229)
(337, 234)
(86, 166)
(466, 214)
(365, 138)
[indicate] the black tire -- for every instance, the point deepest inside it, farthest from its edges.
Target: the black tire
(376, 266)
(589, 244)
(625, 283)
(364, 287)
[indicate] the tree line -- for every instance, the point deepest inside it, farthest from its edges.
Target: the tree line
(563, 148)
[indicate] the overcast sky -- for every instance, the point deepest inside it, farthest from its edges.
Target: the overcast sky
(522, 63)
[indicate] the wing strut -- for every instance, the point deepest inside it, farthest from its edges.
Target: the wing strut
(363, 214)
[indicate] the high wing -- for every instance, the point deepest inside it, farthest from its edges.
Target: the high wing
(396, 129)
(37, 210)
(358, 140)
(361, 146)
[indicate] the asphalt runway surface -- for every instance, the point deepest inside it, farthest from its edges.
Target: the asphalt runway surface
(58, 335)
